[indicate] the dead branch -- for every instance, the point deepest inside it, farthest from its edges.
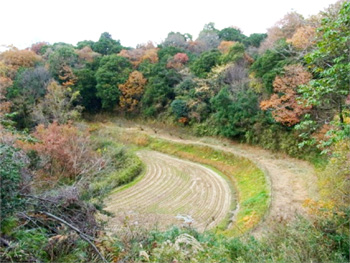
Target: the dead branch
(81, 234)
(29, 218)
(4, 242)
(39, 198)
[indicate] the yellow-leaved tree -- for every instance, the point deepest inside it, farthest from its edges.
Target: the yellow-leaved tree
(132, 91)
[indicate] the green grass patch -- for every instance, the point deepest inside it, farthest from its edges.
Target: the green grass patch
(124, 168)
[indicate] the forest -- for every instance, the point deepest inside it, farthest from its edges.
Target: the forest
(82, 129)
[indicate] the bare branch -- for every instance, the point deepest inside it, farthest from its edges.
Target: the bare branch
(81, 234)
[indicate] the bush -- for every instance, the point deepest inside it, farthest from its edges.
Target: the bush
(10, 172)
(65, 152)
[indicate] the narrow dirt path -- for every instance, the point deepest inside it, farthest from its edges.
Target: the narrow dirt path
(292, 181)
(171, 191)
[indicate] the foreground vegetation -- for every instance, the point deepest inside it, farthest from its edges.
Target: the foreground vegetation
(287, 91)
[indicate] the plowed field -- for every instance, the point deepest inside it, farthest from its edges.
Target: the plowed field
(172, 191)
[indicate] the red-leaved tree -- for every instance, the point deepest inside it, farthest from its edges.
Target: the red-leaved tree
(178, 61)
(286, 107)
(65, 152)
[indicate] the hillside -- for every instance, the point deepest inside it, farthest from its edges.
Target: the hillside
(224, 148)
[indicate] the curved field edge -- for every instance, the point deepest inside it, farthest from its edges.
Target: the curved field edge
(252, 188)
(126, 169)
(251, 184)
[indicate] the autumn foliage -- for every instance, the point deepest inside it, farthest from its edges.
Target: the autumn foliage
(64, 151)
(37, 47)
(67, 76)
(16, 58)
(178, 61)
(132, 91)
(5, 82)
(303, 37)
(87, 54)
(142, 53)
(284, 103)
(225, 46)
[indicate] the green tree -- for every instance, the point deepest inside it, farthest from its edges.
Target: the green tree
(63, 55)
(206, 61)
(29, 86)
(179, 108)
(160, 88)
(85, 43)
(236, 52)
(106, 45)
(270, 64)
(234, 114)
(113, 70)
(254, 39)
(330, 63)
(232, 34)
(86, 85)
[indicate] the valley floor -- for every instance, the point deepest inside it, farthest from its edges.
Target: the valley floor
(292, 181)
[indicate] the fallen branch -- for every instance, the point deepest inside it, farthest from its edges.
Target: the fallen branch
(39, 198)
(81, 234)
(4, 242)
(28, 217)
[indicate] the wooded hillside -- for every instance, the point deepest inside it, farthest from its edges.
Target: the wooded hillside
(287, 91)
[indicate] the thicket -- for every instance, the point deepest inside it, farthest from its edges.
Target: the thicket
(52, 186)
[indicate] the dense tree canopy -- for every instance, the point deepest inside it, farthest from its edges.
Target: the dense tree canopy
(113, 70)
(296, 72)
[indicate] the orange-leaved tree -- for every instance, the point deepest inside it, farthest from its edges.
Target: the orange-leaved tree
(287, 107)
(87, 54)
(304, 37)
(132, 91)
(15, 58)
(142, 53)
(5, 82)
(225, 46)
(67, 77)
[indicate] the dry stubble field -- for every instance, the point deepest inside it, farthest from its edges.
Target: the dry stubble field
(171, 192)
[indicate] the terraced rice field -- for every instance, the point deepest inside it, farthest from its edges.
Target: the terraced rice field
(172, 191)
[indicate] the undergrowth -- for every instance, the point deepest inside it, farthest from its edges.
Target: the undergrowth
(124, 166)
(301, 241)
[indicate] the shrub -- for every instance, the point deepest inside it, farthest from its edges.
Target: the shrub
(65, 151)
(10, 172)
